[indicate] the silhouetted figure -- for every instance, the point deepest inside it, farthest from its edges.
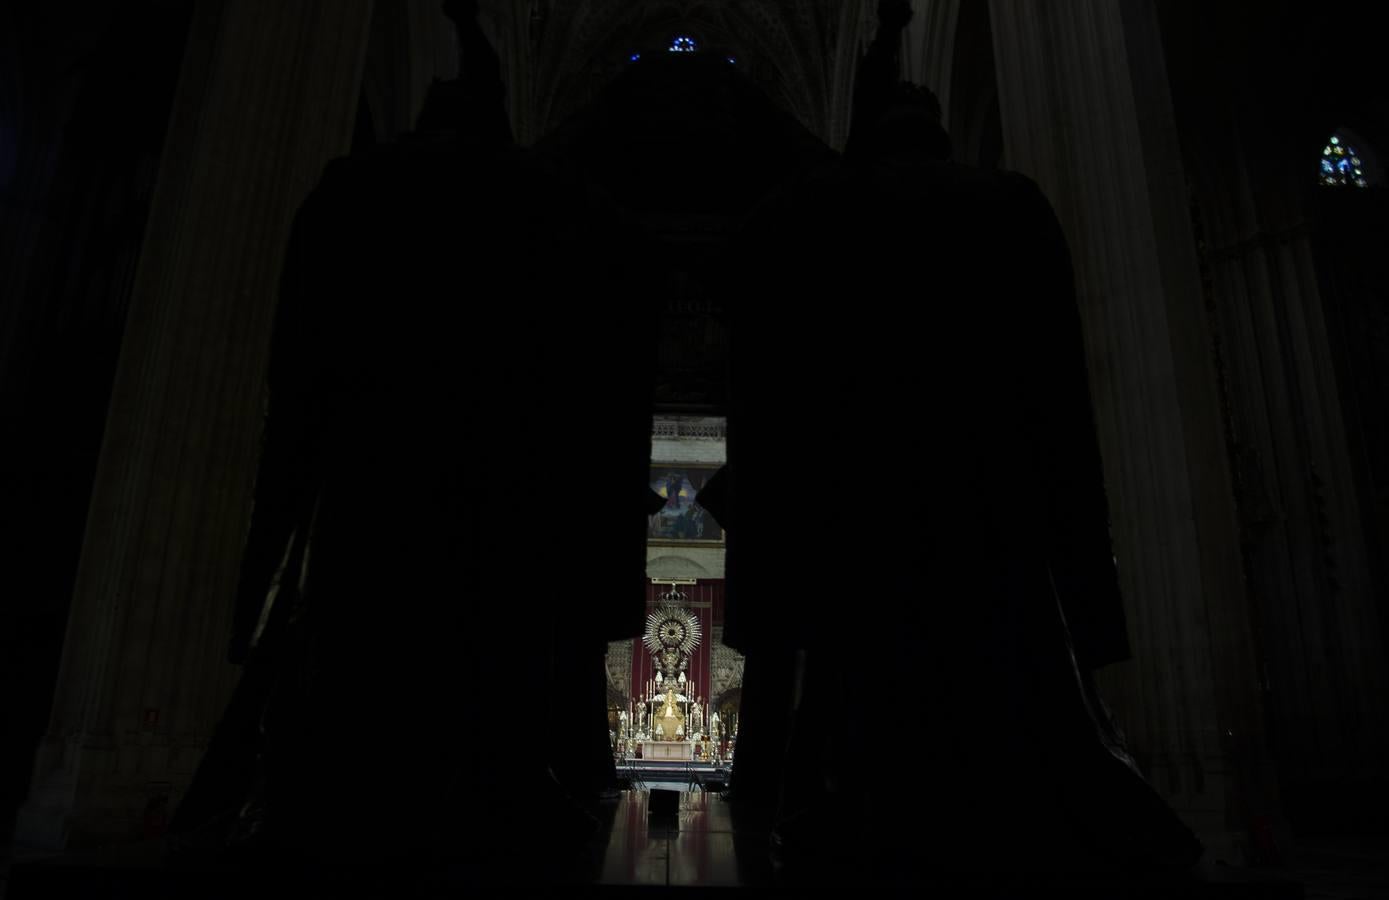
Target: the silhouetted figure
(888, 112)
(915, 323)
(434, 359)
(908, 129)
(439, 367)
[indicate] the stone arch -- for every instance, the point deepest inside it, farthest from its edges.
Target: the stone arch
(617, 672)
(727, 678)
(729, 701)
(802, 55)
(676, 566)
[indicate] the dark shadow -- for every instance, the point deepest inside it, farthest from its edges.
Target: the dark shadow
(459, 426)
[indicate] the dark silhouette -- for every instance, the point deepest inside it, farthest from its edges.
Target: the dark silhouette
(437, 329)
(428, 285)
(929, 313)
(888, 112)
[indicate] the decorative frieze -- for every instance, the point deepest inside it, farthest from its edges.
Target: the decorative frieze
(699, 429)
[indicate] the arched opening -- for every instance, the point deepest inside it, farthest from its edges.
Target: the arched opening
(683, 43)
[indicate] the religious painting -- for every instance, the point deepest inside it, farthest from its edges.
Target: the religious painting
(682, 519)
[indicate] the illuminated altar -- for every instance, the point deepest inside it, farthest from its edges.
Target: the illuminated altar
(677, 750)
(666, 719)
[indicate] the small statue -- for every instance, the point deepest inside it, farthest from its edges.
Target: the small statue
(672, 720)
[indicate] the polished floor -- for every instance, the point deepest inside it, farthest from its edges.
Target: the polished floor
(692, 846)
(696, 846)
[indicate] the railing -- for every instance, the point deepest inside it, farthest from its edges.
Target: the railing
(703, 430)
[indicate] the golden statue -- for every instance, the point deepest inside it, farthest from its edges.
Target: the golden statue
(671, 721)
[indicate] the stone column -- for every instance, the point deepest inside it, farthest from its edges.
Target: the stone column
(851, 34)
(412, 45)
(1087, 113)
(267, 94)
(928, 48)
(509, 28)
(1309, 565)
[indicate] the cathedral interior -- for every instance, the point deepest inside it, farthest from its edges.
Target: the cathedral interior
(416, 411)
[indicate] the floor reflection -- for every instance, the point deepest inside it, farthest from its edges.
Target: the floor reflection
(693, 847)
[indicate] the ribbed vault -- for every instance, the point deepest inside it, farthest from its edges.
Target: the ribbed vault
(559, 54)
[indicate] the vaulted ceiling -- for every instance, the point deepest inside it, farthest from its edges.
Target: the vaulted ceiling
(559, 53)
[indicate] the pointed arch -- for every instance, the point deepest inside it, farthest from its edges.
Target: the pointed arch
(1347, 161)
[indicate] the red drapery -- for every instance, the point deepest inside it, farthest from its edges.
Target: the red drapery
(705, 600)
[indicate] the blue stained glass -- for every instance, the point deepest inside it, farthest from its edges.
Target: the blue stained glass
(683, 43)
(1341, 165)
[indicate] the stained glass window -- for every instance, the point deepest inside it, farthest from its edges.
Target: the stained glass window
(1341, 166)
(683, 43)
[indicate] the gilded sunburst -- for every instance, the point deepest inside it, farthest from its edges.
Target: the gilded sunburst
(672, 629)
